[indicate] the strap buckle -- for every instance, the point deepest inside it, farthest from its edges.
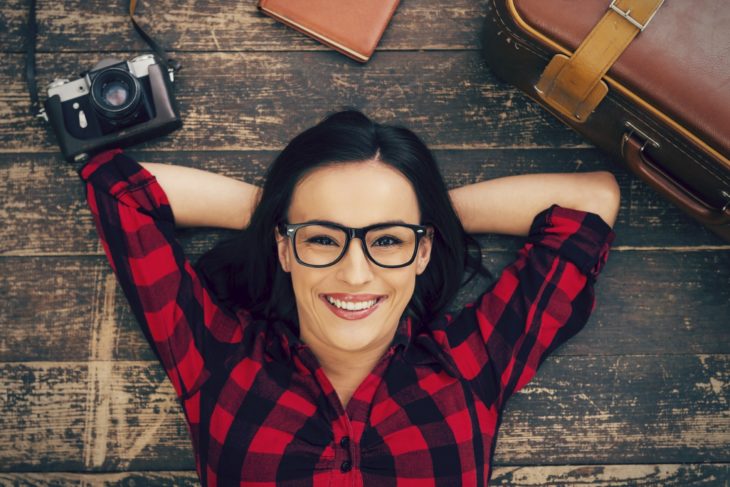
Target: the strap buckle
(633, 21)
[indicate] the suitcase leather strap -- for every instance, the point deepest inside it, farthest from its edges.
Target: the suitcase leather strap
(573, 86)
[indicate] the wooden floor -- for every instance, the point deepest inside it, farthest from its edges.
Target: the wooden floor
(640, 397)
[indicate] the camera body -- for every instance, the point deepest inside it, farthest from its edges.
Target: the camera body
(115, 104)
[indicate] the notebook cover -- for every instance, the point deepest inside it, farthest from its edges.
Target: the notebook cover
(352, 27)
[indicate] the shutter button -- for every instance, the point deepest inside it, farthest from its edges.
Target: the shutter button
(345, 441)
(346, 466)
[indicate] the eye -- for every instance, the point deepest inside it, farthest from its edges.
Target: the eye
(386, 241)
(323, 240)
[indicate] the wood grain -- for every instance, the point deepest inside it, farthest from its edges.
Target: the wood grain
(668, 475)
(211, 25)
(95, 416)
(683, 475)
(246, 100)
(125, 479)
(633, 408)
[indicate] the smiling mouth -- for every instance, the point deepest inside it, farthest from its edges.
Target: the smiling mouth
(352, 307)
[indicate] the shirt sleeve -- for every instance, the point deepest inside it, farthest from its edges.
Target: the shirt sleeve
(539, 301)
(178, 316)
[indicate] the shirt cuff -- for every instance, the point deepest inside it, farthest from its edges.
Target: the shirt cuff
(118, 175)
(581, 237)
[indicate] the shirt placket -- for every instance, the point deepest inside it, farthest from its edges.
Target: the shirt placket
(347, 426)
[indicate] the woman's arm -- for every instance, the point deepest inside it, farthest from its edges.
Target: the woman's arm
(189, 331)
(205, 199)
(508, 205)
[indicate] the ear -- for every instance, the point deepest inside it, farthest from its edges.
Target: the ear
(282, 247)
(424, 252)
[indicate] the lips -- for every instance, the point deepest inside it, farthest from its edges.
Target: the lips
(352, 306)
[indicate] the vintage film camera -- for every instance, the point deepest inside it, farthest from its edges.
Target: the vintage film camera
(116, 103)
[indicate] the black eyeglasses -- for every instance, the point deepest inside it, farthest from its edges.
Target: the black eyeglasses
(322, 244)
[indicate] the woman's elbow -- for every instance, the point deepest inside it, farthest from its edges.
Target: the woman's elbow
(605, 198)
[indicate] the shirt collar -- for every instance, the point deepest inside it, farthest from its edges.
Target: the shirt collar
(281, 338)
(420, 347)
(403, 332)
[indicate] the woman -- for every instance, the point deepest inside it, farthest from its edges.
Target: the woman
(313, 348)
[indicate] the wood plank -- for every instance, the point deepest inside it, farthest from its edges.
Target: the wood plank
(639, 409)
(647, 303)
(668, 475)
(683, 475)
(132, 479)
(221, 26)
(101, 416)
(246, 100)
(111, 416)
(43, 209)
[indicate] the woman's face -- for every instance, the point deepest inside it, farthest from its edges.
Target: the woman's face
(353, 195)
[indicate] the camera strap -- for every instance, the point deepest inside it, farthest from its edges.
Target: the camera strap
(170, 64)
(30, 61)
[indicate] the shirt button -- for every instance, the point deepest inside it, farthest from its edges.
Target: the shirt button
(346, 466)
(345, 441)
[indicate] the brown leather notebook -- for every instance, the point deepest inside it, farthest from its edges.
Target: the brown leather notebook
(353, 27)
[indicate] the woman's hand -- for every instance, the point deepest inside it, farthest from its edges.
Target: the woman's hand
(508, 205)
(205, 199)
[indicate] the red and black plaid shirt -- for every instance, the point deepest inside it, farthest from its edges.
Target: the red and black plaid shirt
(260, 409)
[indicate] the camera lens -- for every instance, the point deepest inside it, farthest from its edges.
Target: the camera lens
(115, 93)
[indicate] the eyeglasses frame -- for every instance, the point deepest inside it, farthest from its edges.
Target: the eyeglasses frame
(290, 230)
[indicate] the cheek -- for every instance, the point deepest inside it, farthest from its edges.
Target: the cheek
(299, 280)
(404, 285)
(305, 281)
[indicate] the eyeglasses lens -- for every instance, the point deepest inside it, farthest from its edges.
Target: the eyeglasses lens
(321, 245)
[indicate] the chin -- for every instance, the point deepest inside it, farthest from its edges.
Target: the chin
(359, 335)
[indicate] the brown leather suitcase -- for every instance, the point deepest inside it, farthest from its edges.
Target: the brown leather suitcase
(649, 84)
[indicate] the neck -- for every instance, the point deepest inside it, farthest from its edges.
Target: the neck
(346, 370)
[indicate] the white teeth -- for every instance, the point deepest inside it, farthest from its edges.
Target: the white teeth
(352, 306)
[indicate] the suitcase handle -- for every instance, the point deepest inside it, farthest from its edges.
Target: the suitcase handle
(636, 158)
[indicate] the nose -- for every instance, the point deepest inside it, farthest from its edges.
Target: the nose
(355, 268)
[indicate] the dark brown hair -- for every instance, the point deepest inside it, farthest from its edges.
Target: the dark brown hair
(244, 271)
